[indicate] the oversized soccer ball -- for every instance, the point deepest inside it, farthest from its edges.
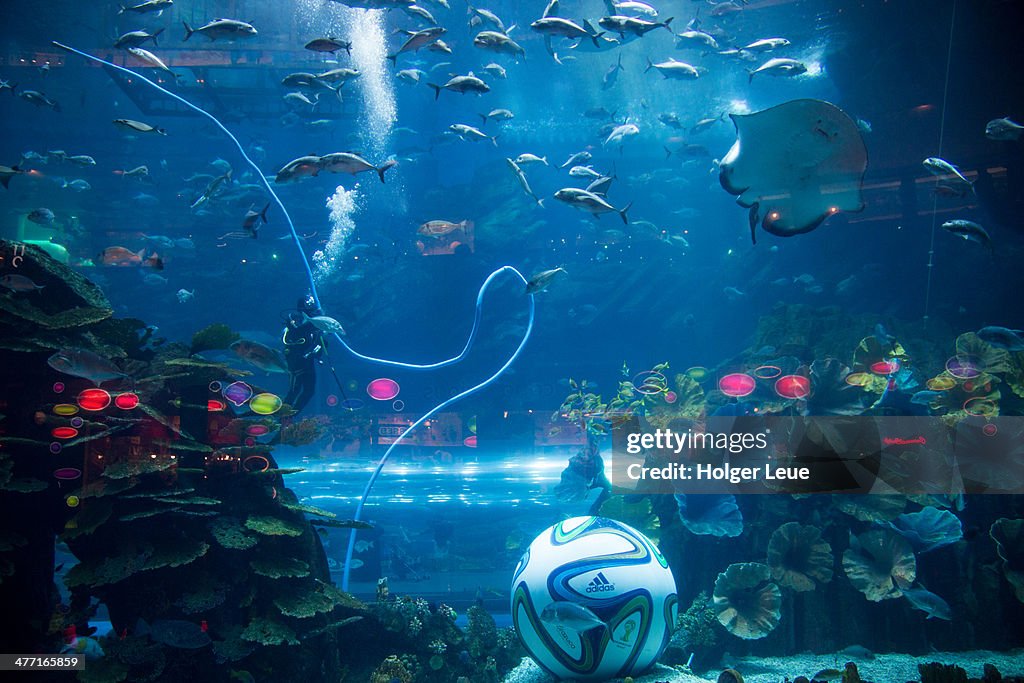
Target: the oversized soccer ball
(592, 599)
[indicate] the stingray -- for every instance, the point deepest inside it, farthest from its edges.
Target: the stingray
(794, 165)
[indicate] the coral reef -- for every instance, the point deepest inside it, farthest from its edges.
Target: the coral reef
(230, 533)
(880, 564)
(214, 337)
(280, 567)
(746, 602)
(265, 631)
(481, 633)
(798, 556)
(71, 301)
(272, 526)
(695, 628)
(391, 670)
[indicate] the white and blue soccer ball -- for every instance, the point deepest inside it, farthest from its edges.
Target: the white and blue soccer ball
(624, 596)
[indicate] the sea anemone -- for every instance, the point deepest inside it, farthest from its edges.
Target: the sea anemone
(746, 602)
(1009, 537)
(880, 564)
(799, 557)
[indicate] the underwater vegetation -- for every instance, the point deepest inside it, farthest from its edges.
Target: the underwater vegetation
(781, 581)
(180, 521)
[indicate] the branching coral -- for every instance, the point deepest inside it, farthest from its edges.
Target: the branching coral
(391, 670)
(696, 626)
(799, 557)
(746, 602)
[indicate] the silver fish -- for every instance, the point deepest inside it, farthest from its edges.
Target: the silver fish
(1003, 129)
(228, 29)
(84, 364)
(590, 202)
(969, 230)
(19, 283)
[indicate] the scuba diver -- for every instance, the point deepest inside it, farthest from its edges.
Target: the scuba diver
(584, 473)
(304, 345)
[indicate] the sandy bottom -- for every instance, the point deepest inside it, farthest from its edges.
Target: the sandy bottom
(887, 668)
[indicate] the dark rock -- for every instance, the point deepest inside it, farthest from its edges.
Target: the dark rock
(991, 674)
(934, 672)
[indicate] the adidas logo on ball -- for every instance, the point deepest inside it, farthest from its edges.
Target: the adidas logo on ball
(599, 584)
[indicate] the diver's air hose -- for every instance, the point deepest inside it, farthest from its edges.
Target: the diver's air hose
(312, 289)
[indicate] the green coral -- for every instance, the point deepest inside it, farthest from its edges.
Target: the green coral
(215, 336)
(108, 570)
(269, 632)
(341, 523)
(24, 485)
(104, 670)
(232, 648)
(280, 567)
(125, 469)
(272, 526)
(696, 626)
(207, 594)
(638, 514)
(175, 552)
(481, 632)
(90, 516)
(191, 500)
(303, 432)
(102, 487)
(131, 559)
(146, 514)
(391, 670)
(309, 510)
(302, 604)
(230, 533)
